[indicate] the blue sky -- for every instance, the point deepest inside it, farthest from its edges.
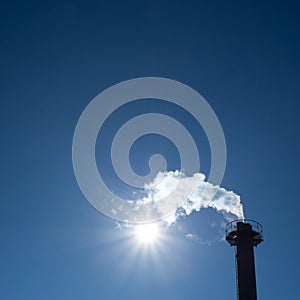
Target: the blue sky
(57, 56)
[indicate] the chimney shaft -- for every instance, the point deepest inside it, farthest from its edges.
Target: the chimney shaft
(245, 263)
(244, 235)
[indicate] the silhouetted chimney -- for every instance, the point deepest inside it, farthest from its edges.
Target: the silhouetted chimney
(244, 234)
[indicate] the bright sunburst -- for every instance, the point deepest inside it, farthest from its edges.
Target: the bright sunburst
(147, 233)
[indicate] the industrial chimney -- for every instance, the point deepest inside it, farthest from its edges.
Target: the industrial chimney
(244, 234)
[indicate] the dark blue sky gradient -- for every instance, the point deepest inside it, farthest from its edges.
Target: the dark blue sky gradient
(147, 145)
(56, 56)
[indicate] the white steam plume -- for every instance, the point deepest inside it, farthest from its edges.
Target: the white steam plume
(203, 195)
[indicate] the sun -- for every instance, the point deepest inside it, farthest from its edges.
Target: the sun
(147, 234)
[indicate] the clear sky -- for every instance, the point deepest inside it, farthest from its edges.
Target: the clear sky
(56, 56)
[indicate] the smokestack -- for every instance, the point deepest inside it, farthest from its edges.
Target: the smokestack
(243, 235)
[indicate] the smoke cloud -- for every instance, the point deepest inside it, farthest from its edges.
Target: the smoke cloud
(202, 195)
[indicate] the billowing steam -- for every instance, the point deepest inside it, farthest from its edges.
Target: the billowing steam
(202, 195)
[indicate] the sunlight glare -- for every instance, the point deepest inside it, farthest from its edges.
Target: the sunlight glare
(147, 233)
